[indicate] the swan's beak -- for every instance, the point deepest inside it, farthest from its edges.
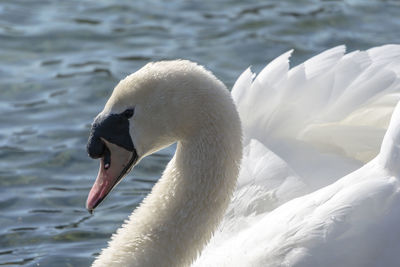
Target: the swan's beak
(114, 165)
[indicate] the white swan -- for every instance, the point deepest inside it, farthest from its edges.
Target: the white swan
(303, 116)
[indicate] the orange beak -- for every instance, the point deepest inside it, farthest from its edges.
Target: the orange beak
(114, 165)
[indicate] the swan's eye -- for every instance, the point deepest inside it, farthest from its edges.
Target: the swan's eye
(128, 113)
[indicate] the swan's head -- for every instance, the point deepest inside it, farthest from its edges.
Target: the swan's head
(160, 104)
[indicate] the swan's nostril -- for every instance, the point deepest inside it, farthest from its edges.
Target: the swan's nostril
(107, 158)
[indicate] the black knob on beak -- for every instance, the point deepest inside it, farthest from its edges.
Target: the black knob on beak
(95, 147)
(114, 128)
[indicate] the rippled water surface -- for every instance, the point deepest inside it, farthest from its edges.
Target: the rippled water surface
(59, 61)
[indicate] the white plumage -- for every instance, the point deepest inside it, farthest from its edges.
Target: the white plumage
(325, 119)
(295, 204)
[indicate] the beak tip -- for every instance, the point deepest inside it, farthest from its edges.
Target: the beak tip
(89, 209)
(92, 205)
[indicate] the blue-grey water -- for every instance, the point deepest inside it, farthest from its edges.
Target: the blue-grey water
(59, 61)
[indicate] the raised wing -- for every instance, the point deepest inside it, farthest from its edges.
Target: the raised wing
(304, 129)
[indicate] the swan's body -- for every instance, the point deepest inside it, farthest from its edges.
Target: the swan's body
(290, 118)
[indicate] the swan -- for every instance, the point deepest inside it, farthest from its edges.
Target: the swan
(259, 175)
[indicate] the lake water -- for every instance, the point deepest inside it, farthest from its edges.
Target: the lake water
(59, 61)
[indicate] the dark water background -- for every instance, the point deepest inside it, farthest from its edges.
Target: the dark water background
(59, 61)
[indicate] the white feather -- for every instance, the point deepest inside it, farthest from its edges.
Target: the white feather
(350, 222)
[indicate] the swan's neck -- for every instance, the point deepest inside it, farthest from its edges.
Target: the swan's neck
(179, 216)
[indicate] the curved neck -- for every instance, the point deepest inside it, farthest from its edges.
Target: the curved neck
(178, 217)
